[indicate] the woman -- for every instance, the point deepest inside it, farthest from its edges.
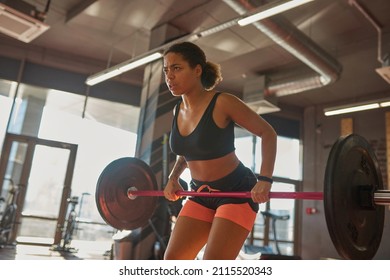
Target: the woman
(203, 138)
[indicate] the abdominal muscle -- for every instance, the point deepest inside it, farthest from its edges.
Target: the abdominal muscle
(213, 169)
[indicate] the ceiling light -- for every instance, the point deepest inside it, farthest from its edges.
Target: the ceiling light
(271, 9)
(121, 68)
(338, 111)
(373, 104)
(384, 104)
(142, 61)
(102, 76)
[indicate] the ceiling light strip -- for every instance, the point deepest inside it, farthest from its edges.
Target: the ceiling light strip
(375, 104)
(271, 10)
(121, 68)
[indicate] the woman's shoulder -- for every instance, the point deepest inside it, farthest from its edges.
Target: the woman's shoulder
(226, 98)
(228, 103)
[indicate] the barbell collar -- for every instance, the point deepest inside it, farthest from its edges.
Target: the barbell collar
(382, 197)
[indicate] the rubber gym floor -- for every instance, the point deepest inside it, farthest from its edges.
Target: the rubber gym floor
(80, 250)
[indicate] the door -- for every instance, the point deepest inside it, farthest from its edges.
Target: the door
(42, 170)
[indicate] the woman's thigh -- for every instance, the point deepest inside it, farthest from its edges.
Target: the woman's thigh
(235, 219)
(225, 240)
(188, 237)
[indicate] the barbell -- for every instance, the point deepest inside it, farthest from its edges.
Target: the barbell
(127, 195)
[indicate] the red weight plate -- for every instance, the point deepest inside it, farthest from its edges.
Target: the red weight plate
(356, 231)
(111, 197)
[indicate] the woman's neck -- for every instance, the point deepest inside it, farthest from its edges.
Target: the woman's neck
(195, 99)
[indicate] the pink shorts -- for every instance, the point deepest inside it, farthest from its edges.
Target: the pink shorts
(241, 214)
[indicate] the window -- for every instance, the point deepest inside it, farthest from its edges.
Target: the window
(103, 131)
(288, 158)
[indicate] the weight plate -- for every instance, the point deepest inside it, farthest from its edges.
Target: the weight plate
(111, 197)
(355, 231)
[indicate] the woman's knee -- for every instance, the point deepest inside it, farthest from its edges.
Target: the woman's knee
(171, 255)
(180, 253)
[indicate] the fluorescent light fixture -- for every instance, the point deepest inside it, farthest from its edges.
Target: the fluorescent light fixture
(384, 104)
(272, 9)
(139, 62)
(121, 68)
(338, 111)
(374, 104)
(102, 76)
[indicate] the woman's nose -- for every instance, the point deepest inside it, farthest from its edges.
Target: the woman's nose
(168, 75)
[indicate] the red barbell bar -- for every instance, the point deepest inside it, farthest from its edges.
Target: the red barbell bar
(132, 193)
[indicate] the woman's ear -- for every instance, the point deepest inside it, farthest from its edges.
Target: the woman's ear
(198, 70)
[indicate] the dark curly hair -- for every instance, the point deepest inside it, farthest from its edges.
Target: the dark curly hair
(194, 55)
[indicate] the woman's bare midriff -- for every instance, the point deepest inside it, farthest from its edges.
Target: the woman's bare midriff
(213, 169)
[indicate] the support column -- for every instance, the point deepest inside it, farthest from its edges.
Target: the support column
(26, 120)
(157, 104)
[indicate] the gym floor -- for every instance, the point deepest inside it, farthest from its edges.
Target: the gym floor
(80, 250)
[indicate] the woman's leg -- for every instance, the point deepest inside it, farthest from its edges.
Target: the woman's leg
(188, 237)
(235, 219)
(190, 231)
(225, 240)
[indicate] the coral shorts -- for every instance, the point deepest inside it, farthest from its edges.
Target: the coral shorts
(241, 214)
(241, 211)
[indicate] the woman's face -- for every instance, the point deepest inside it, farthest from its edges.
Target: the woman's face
(179, 76)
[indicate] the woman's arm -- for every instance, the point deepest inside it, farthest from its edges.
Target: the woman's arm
(178, 168)
(236, 110)
(173, 183)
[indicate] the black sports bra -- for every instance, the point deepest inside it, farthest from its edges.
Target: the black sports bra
(207, 141)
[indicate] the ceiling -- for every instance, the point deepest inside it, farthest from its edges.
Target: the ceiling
(295, 52)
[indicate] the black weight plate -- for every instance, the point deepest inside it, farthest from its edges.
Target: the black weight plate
(111, 197)
(355, 231)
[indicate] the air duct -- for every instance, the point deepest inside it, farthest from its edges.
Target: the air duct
(299, 45)
(253, 96)
(21, 21)
(384, 70)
